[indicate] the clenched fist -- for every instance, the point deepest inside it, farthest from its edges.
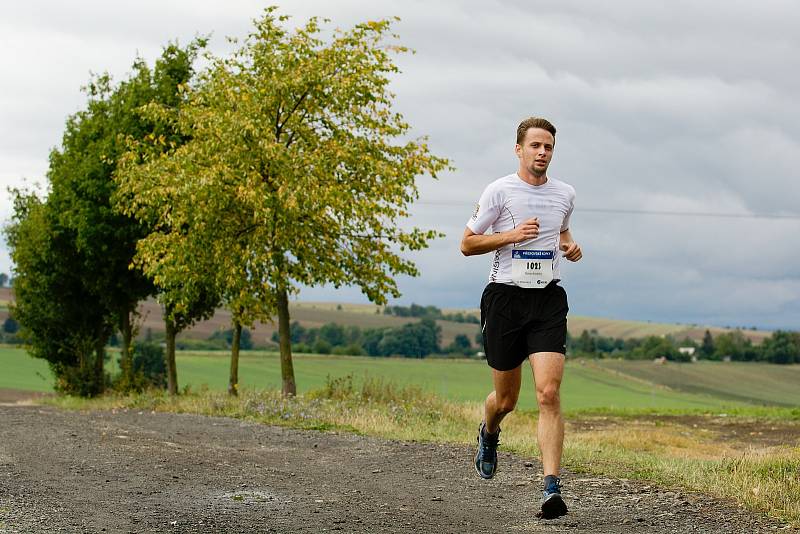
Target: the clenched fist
(571, 251)
(526, 231)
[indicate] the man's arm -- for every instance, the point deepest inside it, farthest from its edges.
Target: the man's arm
(473, 244)
(569, 247)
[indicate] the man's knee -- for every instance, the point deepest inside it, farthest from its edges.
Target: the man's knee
(505, 404)
(548, 397)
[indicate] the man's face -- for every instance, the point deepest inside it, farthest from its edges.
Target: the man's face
(536, 151)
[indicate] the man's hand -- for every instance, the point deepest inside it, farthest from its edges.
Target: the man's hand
(525, 231)
(571, 251)
(473, 243)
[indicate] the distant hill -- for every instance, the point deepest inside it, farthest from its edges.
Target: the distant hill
(315, 314)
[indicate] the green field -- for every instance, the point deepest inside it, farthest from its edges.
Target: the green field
(756, 383)
(587, 384)
(20, 371)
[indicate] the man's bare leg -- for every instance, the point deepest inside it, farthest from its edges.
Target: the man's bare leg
(503, 399)
(548, 370)
(499, 403)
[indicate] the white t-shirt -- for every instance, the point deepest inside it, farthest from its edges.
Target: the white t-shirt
(509, 201)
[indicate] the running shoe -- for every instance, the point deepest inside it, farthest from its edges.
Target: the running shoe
(552, 503)
(486, 457)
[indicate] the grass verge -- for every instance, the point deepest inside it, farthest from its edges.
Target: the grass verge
(764, 479)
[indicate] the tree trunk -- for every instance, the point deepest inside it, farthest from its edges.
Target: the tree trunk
(233, 382)
(288, 388)
(172, 372)
(126, 329)
(99, 371)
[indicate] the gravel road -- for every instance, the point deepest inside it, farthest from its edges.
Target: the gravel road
(128, 471)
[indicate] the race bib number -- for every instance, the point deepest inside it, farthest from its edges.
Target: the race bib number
(531, 268)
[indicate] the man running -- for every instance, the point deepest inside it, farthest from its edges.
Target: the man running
(523, 309)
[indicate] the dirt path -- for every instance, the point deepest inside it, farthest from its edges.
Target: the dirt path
(156, 472)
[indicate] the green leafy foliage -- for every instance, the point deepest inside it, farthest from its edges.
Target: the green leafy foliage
(9, 333)
(460, 345)
(80, 256)
(148, 369)
(413, 340)
(10, 326)
(430, 312)
(148, 359)
(707, 347)
(61, 320)
(735, 346)
(226, 338)
(296, 172)
(780, 347)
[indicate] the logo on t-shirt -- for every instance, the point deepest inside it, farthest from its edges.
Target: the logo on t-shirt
(475, 213)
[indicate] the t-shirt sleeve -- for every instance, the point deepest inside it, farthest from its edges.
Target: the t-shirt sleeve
(486, 212)
(565, 224)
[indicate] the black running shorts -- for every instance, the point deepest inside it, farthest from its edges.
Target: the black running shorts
(517, 322)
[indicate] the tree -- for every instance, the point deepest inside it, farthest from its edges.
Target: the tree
(734, 345)
(782, 347)
(586, 343)
(707, 347)
(187, 295)
(333, 333)
(10, 326)
(371, 340)
(61, 320)
(148, 368)
(182, 308)
(461, 344)
(83, 234)
(414, 340)
(297, 171)
(657, 347)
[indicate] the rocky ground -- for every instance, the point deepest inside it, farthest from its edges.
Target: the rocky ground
(133, 471)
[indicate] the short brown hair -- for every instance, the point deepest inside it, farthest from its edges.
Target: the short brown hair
(534, 122)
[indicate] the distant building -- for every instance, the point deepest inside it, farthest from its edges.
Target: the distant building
(689, 351)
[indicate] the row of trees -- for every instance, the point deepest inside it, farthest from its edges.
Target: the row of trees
(430, 312)
(280, 165)
(411, 340)
(780, 347)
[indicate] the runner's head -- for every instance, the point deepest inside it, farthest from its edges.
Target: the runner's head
(536, 138)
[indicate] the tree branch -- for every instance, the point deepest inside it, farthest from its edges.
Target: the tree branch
(291, 136)
(246, 230)
(278, 123)
(297, 104)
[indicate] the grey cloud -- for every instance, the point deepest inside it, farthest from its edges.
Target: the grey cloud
(683, 106)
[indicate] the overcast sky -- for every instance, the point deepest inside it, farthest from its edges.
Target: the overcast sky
(680, 107)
